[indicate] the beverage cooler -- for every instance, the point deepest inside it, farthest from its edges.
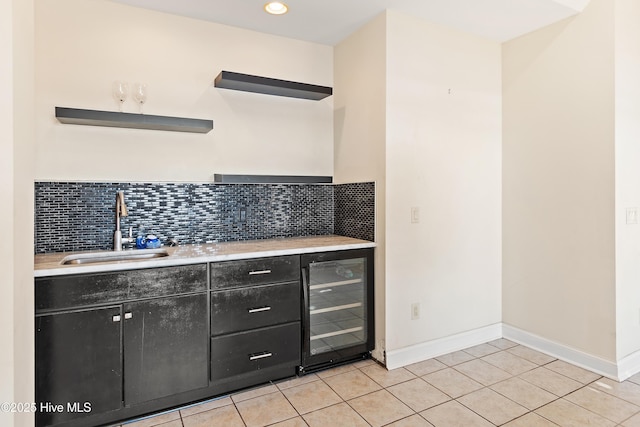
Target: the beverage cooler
(338, 321)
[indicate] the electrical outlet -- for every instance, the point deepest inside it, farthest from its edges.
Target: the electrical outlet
(240, 215)
(415, 215)
(415, 311)
(632, 215)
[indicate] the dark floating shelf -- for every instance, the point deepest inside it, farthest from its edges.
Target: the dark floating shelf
(75, 116)
(270, 179)
(269, 86)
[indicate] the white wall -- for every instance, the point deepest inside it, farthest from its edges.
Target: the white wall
(7, 332)
(359, 133)
(627, 175)
(558, 182)
(417, 109)
(16, 215)
(443, 156)
(397, 123)
(84, 45)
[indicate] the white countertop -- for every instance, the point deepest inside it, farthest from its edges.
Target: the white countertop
(49, 264)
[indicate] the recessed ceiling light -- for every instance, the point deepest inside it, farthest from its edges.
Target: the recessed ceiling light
(276, 8)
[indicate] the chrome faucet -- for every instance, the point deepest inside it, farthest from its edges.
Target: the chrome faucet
(121, 210)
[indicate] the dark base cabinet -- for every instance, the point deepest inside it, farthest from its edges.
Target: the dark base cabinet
(79, 361)
(110, 346)
(115, 346)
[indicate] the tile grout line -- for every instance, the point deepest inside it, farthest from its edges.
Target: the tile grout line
(554, 400)
(562, 397)
(545, 365)
(365, 394)
(347, 401)
(535, 413)
(238, 411)
(613, 395)
(489, 386)
(386, 389)
(609, 394)
(342, 400)
(292, 405)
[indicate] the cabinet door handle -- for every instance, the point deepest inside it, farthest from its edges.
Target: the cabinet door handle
(253, 273)
(128, 315)
(260, 356)
(258, 310)
(116, 318)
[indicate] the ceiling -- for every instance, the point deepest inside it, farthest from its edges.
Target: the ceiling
(330, 21)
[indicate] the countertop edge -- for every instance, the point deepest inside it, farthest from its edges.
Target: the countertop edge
(177, 261)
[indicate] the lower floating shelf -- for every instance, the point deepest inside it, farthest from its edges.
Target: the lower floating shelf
(270, 179)
(77, 116)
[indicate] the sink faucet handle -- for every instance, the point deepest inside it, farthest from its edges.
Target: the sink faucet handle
(129, 239)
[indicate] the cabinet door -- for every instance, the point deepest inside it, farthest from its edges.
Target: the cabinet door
(78, 361)
(166, 347)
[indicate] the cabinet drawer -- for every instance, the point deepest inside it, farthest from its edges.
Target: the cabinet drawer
(241, 309)
(246, 352)
(63, 292)
(257, 271)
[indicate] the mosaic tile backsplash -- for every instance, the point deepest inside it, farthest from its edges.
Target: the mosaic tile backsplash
(74, 216)
(354, 210)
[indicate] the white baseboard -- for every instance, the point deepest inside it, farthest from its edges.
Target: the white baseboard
(620, 371)
(629, 366)
(427, 350)
(576, 357)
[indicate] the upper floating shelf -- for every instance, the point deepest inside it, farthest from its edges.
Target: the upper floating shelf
(269, 86)
(77, 116)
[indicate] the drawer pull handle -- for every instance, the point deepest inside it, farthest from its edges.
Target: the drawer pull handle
(260, 356)
(128, 315)
(116, 318)
(258, 310)
(253, 273)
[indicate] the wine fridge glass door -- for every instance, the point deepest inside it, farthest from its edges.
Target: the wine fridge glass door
(337, 305)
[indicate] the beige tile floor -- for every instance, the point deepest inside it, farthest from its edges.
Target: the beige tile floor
(499, 383)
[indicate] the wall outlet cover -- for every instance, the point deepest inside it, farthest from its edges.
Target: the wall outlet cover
(632, 215)
(415, 215)
(415, 311)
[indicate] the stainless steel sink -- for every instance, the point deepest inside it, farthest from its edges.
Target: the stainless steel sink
(136, 254)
